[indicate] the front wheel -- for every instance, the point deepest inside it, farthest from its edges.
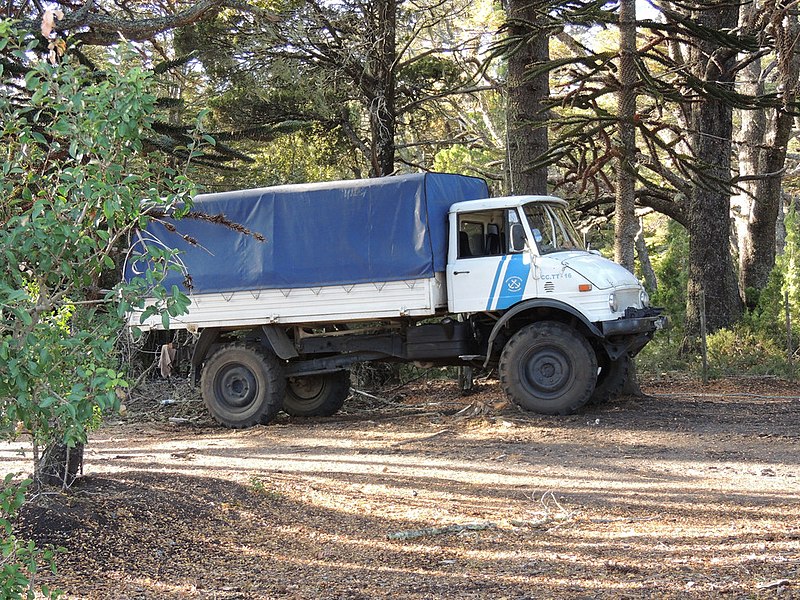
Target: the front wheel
(548, 368)
(241, 386)
(316, 395)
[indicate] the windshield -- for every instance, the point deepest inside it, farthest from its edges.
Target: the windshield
(552, 230)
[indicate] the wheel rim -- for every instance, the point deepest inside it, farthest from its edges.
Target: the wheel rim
(306, 389)
(236, 387)
(547, 372)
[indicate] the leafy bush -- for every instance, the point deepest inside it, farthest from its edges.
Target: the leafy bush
(75, 180)
(19, 560)
(741, 350)
(662, 356)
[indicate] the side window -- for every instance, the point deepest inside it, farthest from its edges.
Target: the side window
(482, 234)
(470, 239)
(513, 219)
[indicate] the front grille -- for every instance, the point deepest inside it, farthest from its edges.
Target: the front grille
(628, 298)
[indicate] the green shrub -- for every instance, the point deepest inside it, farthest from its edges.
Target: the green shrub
(20, 560)
(741, 350)
(768, 317)
(671, 264)
(662, 356)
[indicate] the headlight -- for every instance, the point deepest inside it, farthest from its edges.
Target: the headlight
(644, 298)
(612, 302)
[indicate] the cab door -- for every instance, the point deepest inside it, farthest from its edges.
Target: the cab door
(482, 274)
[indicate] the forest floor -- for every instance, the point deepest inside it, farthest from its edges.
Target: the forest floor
(691, 492)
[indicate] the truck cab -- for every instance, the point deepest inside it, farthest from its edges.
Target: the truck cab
(560, 322)
(504, 251)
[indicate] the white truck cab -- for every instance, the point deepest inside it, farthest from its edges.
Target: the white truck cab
(568, 320)
(512, 249)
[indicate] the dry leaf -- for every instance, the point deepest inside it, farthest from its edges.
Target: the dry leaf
(48, 21)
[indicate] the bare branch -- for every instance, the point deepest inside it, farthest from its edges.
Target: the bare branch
(104, 29)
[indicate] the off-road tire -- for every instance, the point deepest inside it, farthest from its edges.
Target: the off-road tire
(611, 378)
(548, 368)
(316, 395)
(242, 386)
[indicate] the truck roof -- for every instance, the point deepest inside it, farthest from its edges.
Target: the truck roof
(503, 202)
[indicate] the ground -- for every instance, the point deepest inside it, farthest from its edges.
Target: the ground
(690, 492)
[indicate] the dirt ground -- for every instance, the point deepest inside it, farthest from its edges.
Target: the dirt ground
(691, 492)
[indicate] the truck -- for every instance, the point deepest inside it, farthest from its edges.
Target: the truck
(306, 280)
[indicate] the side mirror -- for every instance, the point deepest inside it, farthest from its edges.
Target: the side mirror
(517, 237)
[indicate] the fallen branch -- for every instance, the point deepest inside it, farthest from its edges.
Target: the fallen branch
(770, 585)
(371, 396)
(533, 524)
(410, 534)
(422, 439)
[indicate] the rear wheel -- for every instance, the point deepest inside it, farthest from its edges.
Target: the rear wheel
(241, 386)
(548, 368)
(316, 395)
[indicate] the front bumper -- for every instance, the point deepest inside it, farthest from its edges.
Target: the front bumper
(635, 320)
(631, 332)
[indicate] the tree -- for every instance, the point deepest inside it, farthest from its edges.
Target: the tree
(366, 72)
(527, 46)
(711, 271)
(764, 142)
(92, 28)
(684, 78)
(75, 181)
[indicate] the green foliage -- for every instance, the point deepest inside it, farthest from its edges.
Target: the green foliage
(311, 155)
(662, 356)
(789, 262)
(740, 350)
(768, 318)
(21, 560)
(670, 260)
(756, 346)
(462, 159)
(75, 180)
(73, 177)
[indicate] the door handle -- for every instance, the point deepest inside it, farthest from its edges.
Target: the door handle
(459, 272)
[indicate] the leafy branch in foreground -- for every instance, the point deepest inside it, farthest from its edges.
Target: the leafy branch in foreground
(75, 177)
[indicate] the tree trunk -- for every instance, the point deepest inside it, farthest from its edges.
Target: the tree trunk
(59, 465)
(526, 135)
(626, 225)
(757, 250)
(752, 136)
(650, 280)
(379, 86)
(711, 269)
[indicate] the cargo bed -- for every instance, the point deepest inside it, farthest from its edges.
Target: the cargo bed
(327, 304)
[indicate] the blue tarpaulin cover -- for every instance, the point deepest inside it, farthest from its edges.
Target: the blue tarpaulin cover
(340, 232)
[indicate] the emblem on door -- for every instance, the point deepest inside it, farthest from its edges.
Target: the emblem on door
(514, 284)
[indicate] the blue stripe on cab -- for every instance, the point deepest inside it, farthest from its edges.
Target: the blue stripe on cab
(512, 288)
(494, 283)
